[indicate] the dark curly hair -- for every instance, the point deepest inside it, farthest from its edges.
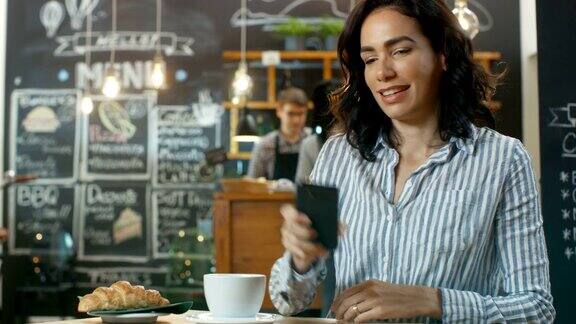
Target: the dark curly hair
(465, 86)
(321, 114)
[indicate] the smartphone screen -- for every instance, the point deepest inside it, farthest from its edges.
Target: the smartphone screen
(320, 204)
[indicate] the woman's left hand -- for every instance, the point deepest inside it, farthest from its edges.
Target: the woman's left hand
(379, 300)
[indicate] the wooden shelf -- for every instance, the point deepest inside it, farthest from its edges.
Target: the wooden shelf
(284, 55)
(239, 155)
(331, 55)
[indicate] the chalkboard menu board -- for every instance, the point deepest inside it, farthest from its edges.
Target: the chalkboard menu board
(556, 70)
(44, 130)
(183, 134)
(104, 276)
(37, 213)
(114, 222)
(144, 145)
(175, 211)
(118, 133)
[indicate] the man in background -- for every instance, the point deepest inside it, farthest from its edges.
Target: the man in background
(275, 156)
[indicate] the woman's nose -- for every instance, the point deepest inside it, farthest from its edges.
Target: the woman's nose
(386, 71)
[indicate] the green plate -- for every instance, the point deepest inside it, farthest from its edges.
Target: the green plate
(177, 308)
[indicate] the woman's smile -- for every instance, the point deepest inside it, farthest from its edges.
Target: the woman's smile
(394, 94)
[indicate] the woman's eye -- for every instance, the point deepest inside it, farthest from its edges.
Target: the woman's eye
(401, 52)
(369, 60)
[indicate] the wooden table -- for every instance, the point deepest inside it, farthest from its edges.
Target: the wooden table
(247, 234)
(181, 319)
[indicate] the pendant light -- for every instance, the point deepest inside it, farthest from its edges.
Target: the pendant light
(86, 105)
(159, 67)
(111, 86)
(246, 128)
(466, 18)
(242, 89)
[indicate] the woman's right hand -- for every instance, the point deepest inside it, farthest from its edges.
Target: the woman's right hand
(298, 237)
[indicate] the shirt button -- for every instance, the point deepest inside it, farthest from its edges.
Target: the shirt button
(385, 259)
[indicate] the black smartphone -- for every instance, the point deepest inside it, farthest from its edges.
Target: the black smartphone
(320, 204)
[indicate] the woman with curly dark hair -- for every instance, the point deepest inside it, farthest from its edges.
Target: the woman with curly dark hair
(442, 213)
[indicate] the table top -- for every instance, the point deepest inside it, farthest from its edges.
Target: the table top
(181, 319)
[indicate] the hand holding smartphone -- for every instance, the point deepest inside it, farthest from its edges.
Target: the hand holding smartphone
(320, 204)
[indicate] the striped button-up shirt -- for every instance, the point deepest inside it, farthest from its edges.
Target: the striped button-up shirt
(467, 222)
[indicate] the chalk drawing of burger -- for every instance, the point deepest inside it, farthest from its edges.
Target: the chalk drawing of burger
(41, 119)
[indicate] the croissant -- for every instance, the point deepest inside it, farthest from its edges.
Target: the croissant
(120, 295)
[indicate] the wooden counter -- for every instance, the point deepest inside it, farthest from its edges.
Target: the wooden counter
(247, 233)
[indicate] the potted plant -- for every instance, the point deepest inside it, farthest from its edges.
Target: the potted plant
(294, 32)
(330, 29)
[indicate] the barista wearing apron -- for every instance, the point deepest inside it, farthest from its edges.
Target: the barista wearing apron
(285, 164)
(275, 156)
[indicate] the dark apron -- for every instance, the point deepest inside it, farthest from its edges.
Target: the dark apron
(284, 164)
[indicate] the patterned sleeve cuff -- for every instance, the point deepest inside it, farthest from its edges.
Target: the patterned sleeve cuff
(312, 274)
(461, 306)
(290, 291)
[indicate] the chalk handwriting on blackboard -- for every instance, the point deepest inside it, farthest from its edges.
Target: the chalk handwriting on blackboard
(170, 43)
(565, 117)
(118, 138)
(107, 276)
(263, 18)
(175, 211)
(133, 74)
(78, 10)
(51, 17)
(206, 111)
(114, 223)
(36, 212)
(45, 132)
(184, 133)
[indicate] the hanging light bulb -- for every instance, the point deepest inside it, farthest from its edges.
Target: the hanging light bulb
(111, 86)
(158, 72)
(159, 67)
(466, 18)
(86, 104)
(246, 130)
(242, 83)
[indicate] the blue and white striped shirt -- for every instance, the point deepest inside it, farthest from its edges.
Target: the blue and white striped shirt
(467, 222)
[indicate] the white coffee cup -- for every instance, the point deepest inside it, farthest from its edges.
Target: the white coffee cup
(234, 294)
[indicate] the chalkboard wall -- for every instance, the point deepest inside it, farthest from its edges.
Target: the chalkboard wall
(128, 181)
(556, 70)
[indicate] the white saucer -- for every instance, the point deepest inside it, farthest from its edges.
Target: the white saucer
(208, 318)
(132, 318)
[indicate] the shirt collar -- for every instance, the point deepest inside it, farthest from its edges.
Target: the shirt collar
(465, 144)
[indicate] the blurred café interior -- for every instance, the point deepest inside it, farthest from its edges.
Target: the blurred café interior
(136, 141)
